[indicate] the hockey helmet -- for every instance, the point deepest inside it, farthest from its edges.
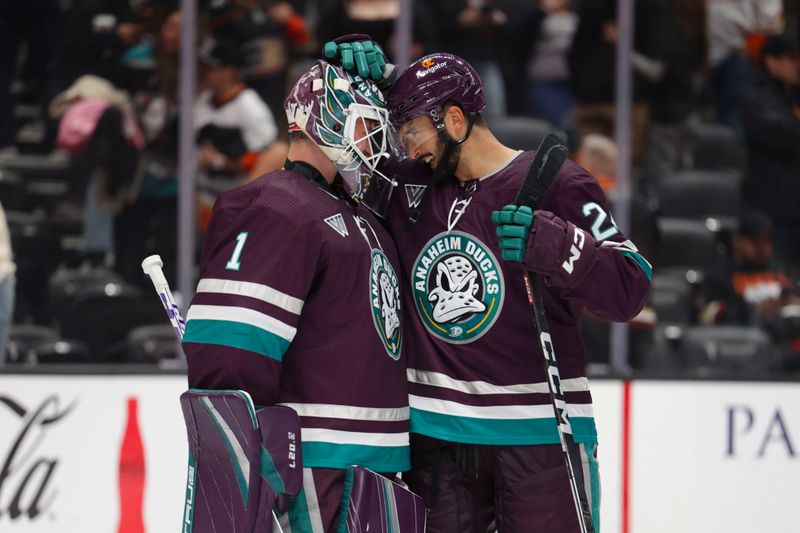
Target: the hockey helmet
(429, 83)
(346, 117)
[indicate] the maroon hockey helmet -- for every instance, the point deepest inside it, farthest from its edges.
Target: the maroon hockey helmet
(429, 83)
(327, 104)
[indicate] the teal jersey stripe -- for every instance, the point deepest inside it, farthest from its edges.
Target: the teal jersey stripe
(641, 261)
(376, 458)
(236, 335)
(493, 431)
(270, 473)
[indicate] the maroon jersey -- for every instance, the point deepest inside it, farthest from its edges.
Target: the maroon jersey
(476, 375)
(299, 304)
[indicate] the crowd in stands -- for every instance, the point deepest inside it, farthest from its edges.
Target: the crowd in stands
(89, 102)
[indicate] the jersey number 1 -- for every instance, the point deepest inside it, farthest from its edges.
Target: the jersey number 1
(233, 263)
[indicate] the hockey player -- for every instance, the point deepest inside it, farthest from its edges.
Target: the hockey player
(484, 444)
(298, 302)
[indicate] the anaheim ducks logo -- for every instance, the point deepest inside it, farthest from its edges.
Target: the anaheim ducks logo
(385, 298)
(428, 63)
(458, 287)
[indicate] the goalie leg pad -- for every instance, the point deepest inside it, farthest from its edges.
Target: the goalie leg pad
(375, 504)
(240, 461)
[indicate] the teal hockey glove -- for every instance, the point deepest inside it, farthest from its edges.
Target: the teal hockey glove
(357, 54)
(513, 226)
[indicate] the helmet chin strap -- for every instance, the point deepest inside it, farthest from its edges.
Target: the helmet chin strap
(442, 171)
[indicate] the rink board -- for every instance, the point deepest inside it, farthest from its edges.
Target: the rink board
(703, 456)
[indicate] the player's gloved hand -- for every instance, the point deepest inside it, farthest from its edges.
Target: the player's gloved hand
(513, 226)
(357, 54)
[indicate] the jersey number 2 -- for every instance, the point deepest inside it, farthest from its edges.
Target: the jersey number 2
(233, 263)
(598, 232)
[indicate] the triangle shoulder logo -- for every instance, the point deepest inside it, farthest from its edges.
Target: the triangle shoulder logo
(337, 223)
(414, 193)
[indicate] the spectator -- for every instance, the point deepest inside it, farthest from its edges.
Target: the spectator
(376, 18)
(598, 154)
(99, 131)
(234, 127)
(7, 269)
(145, 227)
(473, 29)
(278, 32)
(36, 23)
(550, 90)
(772, 123)
(729, 24)
(675, 94)
(592, 67)
(751, 290)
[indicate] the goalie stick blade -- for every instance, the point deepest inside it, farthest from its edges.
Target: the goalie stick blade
(550, 155)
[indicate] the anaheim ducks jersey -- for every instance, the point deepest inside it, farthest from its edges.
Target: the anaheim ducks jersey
(476, 370)
(298, 303)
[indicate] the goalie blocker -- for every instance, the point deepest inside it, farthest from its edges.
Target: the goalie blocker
(245, 464)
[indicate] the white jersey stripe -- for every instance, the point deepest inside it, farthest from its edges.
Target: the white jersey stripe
(244, 316)
(495, 412)
(350, 413)
(438, 379)
(334, 436)
(252, 290)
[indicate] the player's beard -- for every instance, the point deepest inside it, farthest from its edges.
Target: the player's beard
(448, 168)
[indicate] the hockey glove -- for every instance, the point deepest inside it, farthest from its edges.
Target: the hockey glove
(513, 226)
(546, 244)
(358, 54)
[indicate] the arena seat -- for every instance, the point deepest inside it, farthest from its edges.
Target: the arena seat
(700, 195)
(727, 348)
(520, 133)
(671, 297)
(103, 315)
(23, 337)
(152, 344)
(687, 244)
(716, 147)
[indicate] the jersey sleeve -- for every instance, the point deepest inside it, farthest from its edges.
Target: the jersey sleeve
(616, 284)
(256, 271)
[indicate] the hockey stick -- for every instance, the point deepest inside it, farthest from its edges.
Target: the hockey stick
(549, 158)
(152, 267)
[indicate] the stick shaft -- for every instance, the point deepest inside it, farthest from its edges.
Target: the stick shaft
(152, 267)
(544, 168)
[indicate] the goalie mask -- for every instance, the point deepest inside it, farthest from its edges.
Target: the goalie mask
(346, 117)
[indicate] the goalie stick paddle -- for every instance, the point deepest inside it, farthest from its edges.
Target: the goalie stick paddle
(546, 164)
